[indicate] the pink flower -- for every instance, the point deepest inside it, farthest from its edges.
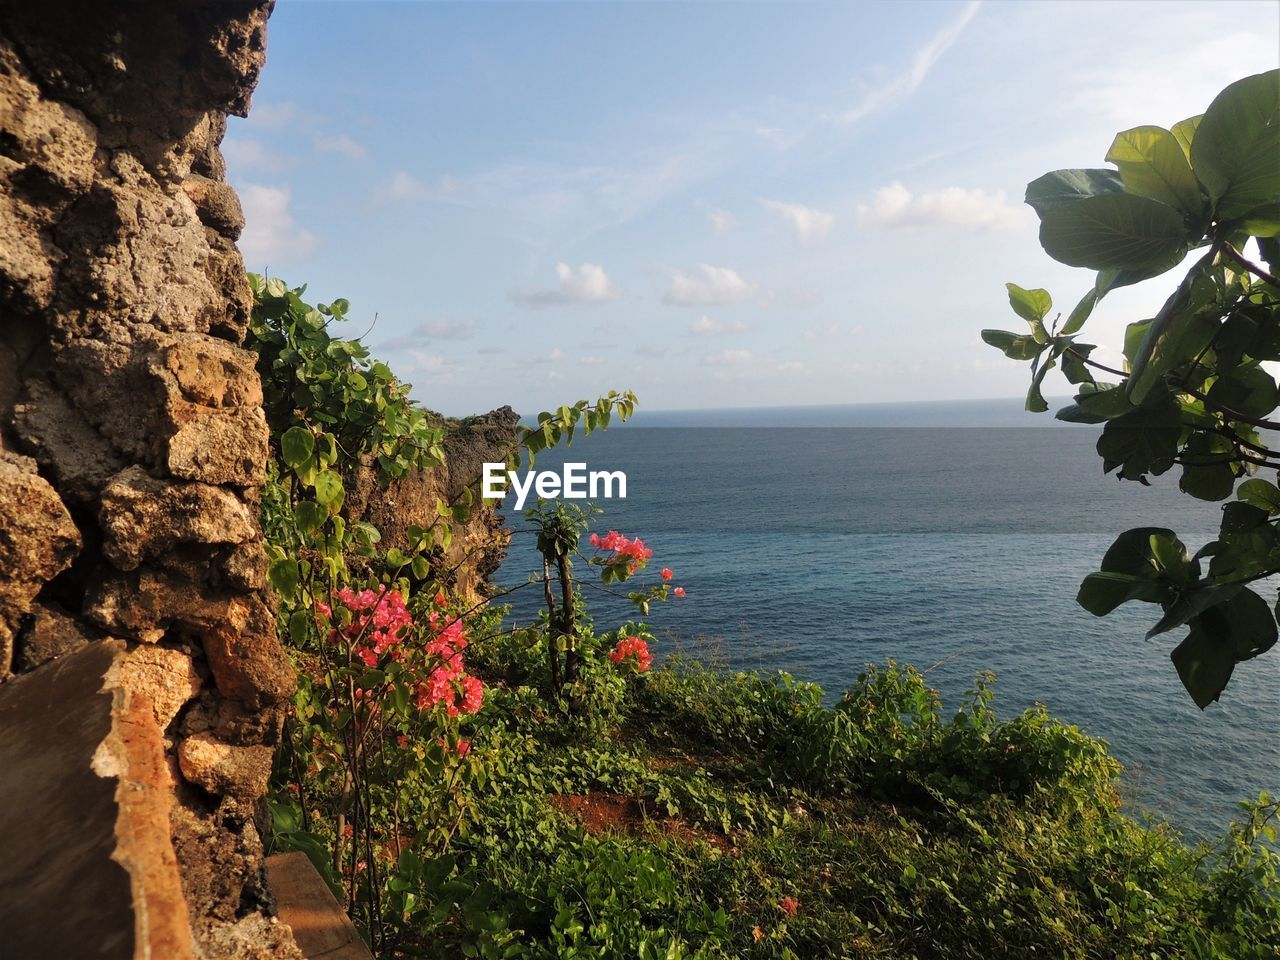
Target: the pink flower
(463, 747)
(679, 591)
(666, 573)
(789, 905)
(632, 647)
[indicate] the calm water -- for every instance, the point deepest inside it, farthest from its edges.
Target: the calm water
(816, 550)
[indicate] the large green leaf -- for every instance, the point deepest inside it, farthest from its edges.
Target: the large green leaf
(1192, 603)
(1249, 622)
(1102, 592)
(1236, 150)
(1096, 405)
(1152, 164)
(1207, 473)
(1260, 493)
(1177, 333)
(1032, 306)
(1184, 131)
(1064, 187)
(1247, 391)
(1204, 662)
(296, 445)
(1015, 346)
(1113, 231)
(1143, 441)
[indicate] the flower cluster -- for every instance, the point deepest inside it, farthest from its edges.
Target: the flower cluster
(633, 553)
(379, 622)
(447, 684)
(632, 646)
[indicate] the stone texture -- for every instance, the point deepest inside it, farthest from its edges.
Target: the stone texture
(50, 632)
(132, 449)
(167, 678)
(38, 540)
(479, 545)
(144, 517)
(224, 768)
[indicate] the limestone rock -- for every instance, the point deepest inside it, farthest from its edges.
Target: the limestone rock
(411, 501)
(38, 540)
(167, 678)
(145, 517)
(218, 767)
(245, 655)
(50, 633)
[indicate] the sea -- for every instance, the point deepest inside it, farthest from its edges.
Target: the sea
(951, 536)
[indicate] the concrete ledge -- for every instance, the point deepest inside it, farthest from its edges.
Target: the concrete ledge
(321, 928)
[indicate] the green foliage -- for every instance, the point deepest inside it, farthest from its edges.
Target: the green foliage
(1195, 392)
(563, 423)
(900, 830)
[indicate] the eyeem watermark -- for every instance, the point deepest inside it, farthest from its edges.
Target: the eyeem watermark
(574, 482)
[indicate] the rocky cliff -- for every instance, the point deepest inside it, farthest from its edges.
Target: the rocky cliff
(142, 686)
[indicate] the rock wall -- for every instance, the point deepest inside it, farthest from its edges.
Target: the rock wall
(142, 686)
(479, 544)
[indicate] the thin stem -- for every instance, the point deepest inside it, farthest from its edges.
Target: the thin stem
(1249, 265)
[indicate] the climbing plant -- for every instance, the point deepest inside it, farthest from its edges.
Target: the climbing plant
(1195, 391)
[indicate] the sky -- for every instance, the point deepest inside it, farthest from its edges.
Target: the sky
(717, 204)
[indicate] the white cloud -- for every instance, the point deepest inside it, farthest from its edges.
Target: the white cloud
(342, 145)
(896, 207)
(809, 225)
(272, 116)
(790, 366)
(430, 362)
(728, 358)
(904, 84)
(591, 361)
(706, 326)
(708, 286)
(555, 356)
(650, 350)
(251, 155)
(271, 236)
(404, 187)
(778, 137)
(722, 222)
(433, 330)
(588, 284)
(1165, 83)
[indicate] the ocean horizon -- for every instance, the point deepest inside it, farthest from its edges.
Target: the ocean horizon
(817, 549)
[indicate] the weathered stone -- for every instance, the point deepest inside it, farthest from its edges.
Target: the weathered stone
(84, 819)
(245, 655)
(167, 678)
(221, 767)
(123, 302)
(220, 446)
(50, 633)
(38, 540)
(216, 203)
(212, 372)
(478, 545)
(245, 566)
(144, 604)
(145, 517)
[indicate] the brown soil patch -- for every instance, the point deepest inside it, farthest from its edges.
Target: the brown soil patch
(601, 813)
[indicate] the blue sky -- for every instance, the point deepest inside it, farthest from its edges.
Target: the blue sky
(713, 204)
